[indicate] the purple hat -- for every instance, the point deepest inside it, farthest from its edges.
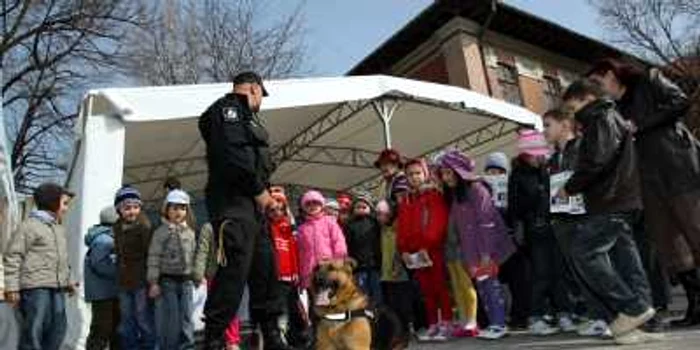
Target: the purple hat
(459, 163)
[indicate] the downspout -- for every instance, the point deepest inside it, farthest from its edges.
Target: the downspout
(480, 42)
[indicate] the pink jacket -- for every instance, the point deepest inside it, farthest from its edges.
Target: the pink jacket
(319, 239)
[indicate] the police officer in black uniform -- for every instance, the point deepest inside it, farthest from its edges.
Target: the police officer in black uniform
(236, 196)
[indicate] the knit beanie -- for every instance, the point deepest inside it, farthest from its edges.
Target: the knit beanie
(532, 143)
(365, 198)
(497, 160)
(313, 196)
(108, 216)
(127, 194)
(332, 204)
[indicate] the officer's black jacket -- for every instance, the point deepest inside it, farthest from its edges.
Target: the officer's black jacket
(237, 155)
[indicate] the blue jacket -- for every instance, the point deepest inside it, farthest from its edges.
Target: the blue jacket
(100, 264)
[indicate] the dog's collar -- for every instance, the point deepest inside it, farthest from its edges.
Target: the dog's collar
(348, 315)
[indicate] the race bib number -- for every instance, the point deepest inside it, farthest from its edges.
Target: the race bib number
(499, 189)
(573, 205)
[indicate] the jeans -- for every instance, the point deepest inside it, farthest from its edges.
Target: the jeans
(103, 327)
(44, 319)
(9, 333)
(549, 288)
(137, 328)
(606, 257)
(585, 303)
(494, 300)
(369, 282)
(174, 308)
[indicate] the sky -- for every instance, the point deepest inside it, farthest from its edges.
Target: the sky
(340, 33)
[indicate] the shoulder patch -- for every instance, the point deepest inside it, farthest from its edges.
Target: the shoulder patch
(230, 114)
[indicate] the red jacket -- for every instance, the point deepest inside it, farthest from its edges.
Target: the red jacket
(285, 250)
(421, 222)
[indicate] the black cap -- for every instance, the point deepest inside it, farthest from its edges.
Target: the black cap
(250, 77)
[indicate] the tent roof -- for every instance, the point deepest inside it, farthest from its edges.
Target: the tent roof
(325, 132)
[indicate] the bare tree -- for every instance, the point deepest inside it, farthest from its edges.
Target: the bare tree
(51, 50)
(666, 32)
(196, 41)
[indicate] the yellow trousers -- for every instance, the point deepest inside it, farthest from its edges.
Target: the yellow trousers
(463, 291)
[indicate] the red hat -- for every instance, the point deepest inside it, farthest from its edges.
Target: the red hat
(389, 156)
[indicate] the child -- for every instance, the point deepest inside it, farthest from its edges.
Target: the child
(170, 267)
(560, 132)
(483, 239)
(286, 252)
(204, 271)
(603, 250)
(421, 232)
(101, 287)
(320, 237)
(394, 183)
(516, 271)
(132, 237)
(344, 207)
(362, 236)
(332, 208)
(394, 278)
(463, 291)
(528, 207)
(37, 271)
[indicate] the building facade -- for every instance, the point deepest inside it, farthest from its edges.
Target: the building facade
(496, 50)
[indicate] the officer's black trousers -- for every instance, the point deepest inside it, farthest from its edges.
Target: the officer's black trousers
(250, 259)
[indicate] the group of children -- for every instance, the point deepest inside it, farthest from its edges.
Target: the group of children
(431, 245)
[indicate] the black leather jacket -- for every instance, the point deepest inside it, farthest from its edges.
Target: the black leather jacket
(669, 154)
(606, 171)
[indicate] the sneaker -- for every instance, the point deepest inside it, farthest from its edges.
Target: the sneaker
(542, 328)
(493, 333)
(442, 334)
(429, 334)
(593, 328)
(566, 324)
(466, 330)
(625, 323)
(637, 336)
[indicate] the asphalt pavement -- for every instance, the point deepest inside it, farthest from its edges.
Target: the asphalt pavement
(674, 339)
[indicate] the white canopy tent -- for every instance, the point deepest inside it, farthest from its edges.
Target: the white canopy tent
(325, 133)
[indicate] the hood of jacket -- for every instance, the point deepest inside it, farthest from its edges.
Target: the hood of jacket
(97, 231)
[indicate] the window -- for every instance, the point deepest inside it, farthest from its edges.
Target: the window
(552, 91)
(510, 86)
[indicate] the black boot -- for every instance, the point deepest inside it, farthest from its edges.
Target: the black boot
(273, 337)
(691, 284)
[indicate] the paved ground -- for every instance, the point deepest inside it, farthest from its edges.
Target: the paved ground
(677, 339)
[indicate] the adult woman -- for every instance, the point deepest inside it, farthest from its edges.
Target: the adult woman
(669, 163)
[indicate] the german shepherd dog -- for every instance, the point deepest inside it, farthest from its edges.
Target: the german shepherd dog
(344, 317)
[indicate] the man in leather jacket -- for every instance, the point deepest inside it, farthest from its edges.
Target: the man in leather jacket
(236, 196)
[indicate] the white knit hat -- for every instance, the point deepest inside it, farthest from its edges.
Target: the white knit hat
(177, 197)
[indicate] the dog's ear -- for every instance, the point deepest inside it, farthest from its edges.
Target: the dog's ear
(350, 263)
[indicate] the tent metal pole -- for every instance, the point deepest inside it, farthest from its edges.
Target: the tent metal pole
(385, 109)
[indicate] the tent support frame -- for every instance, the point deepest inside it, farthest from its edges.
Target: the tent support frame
(385, 109)
(472, 140)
